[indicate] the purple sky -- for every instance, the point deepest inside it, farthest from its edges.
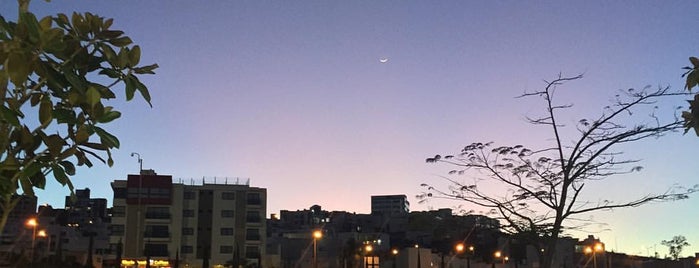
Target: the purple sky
(293, 96)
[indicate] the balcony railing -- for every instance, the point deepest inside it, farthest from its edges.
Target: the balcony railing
(158, 216)
(156, 235)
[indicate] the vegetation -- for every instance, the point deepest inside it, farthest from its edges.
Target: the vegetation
(537, 194)
(691, 117)
(56, 75)
(675, 245)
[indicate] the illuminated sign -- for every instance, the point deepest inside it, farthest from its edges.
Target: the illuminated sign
(153, 263)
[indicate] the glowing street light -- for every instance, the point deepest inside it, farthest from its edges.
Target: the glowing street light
(33, 223)
(317, 234)
(597, 247)
(459, 248)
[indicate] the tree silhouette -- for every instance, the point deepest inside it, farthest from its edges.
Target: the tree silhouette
(675, 245)
(537, 192)
(691, 117)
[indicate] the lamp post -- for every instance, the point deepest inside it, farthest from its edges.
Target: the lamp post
(394, 253)
(460, 248)
(597, 247)
(317, 234)
(138, 210)
(499, 255)
(32, 222)
(44, 234)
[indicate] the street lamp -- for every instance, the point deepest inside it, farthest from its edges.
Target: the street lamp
(32, 222)
(460, 248)
(44, 234)
(597, 247)
(138, 211)
(394, 253)
(317, 234)
(499, 255)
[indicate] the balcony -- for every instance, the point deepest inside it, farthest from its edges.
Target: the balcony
(157, 236)
(158, 217)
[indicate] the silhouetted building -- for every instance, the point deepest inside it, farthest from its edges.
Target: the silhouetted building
(82, 209)
(390, 205)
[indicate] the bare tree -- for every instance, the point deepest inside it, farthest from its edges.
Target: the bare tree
(537, 194)
(676, 245)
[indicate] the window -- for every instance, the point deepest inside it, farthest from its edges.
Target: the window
(188, 213)
(157, 213)
(252, 234)
(159, 193)
(252, 252)
(187, 249)
(226, 231)
(119, 193)
(117, 229)
(156, 250)
(226, 213)
(228, 195)
(226, 249)
(187, 231)
(157, 231)
(190, 195)
(119, 211)
(253, 216)
(254, 199)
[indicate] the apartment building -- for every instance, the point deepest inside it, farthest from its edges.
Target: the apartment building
(390, 205)
(210, 224)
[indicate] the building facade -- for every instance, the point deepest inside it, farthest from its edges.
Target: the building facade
(210, 224)
(390, 205)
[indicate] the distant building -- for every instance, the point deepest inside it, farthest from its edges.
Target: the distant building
(159, 220)
(81, 209)
(389, 205)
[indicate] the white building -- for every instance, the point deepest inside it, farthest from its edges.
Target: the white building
(217, 223)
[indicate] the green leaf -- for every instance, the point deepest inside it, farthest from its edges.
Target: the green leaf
(143, 90)
(19, 67)
(45, 111)
(55, 144)
(692, 80)
(109, 116)
(82, 136)
(61, 19)
(96, 146)
(107, 139)
(69, 167)
(130, 88)
(93, 96)
(111, 73)
(134, 56)
(76, 81)
(107, 34)
(80, 26)
(33, 28)
(122, 59)
(146, 69)
(46, 22)
(694, 62)
(109, 53)
(121, 41)
(59, 174)
(9, 116)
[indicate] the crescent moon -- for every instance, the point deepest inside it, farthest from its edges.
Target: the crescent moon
(383, 60)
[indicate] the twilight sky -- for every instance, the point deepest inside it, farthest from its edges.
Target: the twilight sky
(292, 94)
